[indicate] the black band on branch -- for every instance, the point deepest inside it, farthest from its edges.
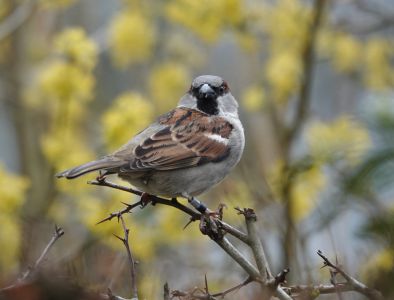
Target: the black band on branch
(198, 205)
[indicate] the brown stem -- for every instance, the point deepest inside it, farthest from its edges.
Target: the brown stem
(133, 273)
(357, 285)
(308, 57)
(58, 233)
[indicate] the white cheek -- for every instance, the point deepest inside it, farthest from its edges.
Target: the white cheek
(217, 138)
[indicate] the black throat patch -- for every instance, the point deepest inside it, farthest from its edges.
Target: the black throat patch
(208, 105)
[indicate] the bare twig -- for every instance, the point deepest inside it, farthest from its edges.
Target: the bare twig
(205, 294)
(101, 181)
(255, 244)
(313, 291)
(58, 233)
(239, 258)
(234, 232)
(251, 239)
(357, 285)
(125, 241)
(234, 288)
(166, 290)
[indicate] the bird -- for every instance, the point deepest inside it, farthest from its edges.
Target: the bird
(186, 151)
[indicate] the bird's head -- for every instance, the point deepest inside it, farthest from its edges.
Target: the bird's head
(211, 95)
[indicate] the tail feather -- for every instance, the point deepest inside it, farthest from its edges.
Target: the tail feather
(102, 164)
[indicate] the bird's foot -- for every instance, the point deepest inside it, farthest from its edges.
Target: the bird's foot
(209, 222)
(146, 199)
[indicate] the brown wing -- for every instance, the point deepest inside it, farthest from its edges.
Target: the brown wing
(190, 138)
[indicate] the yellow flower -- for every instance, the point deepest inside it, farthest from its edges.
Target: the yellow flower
(253, 98)
(347, 52)
(167, 84)
(382, 261)
(379, 73)
(10, 238)
(129, 114)
(283, 72)
(65, 148)
(205, 18)
(131, 38)
(63, 81)
(75, 45)
(12, 197)
(342, 139)
(294, 20)
(306, 189)
(12, 191)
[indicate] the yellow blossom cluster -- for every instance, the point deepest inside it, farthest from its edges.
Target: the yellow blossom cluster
(12, 191)
(347, 52)
(286, 44)
(372, 57)
(379, 68)
(130, 113)
(253, 98)
(63, 81)
(66, 84)
(305, 188)
(167, 83)
(380, 262)
(206, 18)
(342, 139)
(74, 45)
(132, 36)
(305, 191)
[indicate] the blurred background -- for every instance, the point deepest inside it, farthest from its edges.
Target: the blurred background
(315, 83)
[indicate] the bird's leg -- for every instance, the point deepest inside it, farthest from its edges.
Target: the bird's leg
(208, 221)
(201, 207)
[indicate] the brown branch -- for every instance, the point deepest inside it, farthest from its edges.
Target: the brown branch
(251, 239)
(239, 258)
(125, 241)
(255, 244)
(313, 291)
(308, 58)
(234, 288)
(166, 290)
(234, 232)
(205, 294)
(357, 285)
(101, 181)
(58, 233)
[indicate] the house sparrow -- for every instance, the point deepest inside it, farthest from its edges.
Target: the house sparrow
(185, 151)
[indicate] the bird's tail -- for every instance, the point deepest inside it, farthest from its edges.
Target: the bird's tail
(101, 164)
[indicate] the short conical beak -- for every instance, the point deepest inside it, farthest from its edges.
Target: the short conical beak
(206, 91)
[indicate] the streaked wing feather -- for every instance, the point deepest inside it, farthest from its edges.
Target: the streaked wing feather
(184, 142)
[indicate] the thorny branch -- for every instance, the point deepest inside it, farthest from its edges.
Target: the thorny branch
(271, 286)
(357, 285)
(205, 294)
(219, 239)
(132, 263)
